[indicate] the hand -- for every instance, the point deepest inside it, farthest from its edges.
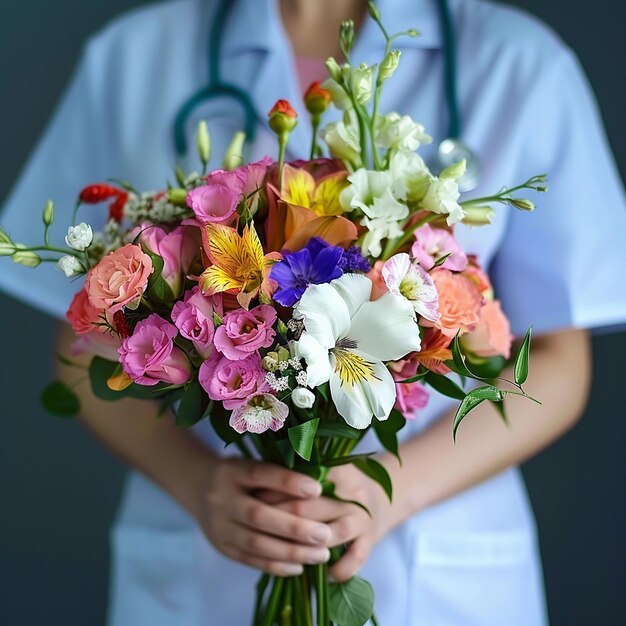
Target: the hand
(250, 531)
(348, 523)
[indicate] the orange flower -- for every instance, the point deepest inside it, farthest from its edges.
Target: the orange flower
(316, 99)
(459, 303)
(282, 117)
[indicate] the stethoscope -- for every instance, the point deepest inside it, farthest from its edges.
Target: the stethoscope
(450, 151)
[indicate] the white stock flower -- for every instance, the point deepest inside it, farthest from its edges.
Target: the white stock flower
(441, 197)
(343, 141)
(338, 94)
(348, 338)
(360, 80)
(303, 398)
(410, 176)
(70, 266)
(408, 279)
(79, 237)
(371, 192)
(397, 132)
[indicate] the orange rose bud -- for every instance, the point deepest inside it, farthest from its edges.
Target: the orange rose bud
(282, 117)
(316, 99)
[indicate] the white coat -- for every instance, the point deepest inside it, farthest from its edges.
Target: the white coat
(471, 560)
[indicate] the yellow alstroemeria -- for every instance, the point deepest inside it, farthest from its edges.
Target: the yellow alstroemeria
(239, 264)
(322, 197)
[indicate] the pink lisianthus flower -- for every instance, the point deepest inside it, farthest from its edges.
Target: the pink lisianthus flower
(232, 382)
(492, 335)
(178, 247)
(260, 413)
(411, 398)
(119, 279)
(459, 303)
(193, 316)
(408, 279)
(433, 243)
(149, 355)
(244, 332)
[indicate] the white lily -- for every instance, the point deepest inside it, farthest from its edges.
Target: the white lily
(348, 338)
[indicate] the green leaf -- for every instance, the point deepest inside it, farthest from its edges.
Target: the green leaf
(302, 438)
(287, 452)
(324, 390)
(472, 400)
(60, 400)
(445, 386)
(387, 431)
(345, 460)
(499, 407)
(192, 405)
(421, 373)
(523, 357)
(158, 290)
(219, 417)
(376, 472)
(488, 368)
(441, 260)
(351, 603)
(458, 360)
(337, 429)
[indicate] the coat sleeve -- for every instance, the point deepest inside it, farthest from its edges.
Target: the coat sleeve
(68, 156)
(565, 265)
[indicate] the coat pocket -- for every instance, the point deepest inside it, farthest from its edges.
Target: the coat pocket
(153, 577)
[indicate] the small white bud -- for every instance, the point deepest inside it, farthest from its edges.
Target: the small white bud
(523, 204)
(389, 65)
(303, 398)
(477, 215)
(28, 258)
(455, 171)
(203, 142)
(70, 266)
(79, 237)
(334, 70)
(234, 154)
(48, 213)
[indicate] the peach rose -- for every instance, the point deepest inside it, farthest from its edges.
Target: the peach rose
(120, 279)
(459, 303)
(492, 335)
(379, 286)
(480, 279)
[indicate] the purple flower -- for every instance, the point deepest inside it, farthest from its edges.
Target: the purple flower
(316, 264)
(352, 261)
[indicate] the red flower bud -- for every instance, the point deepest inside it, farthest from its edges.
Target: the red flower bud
(97, 193)
(316, 99)
(116, 209)
(282, 117)
(121, 324)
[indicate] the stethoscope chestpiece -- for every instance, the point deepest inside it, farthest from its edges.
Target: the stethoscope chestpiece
(451, 151)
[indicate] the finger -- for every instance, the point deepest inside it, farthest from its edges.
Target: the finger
(273, 549)
(352, 561)
(347, 528)
(272, 520)
(319, 509)
(271, 497)
(258, 475)
(275, 568)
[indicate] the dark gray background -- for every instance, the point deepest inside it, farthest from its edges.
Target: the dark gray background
(58, 488)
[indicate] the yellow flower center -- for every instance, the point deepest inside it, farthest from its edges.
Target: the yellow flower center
(352, 368)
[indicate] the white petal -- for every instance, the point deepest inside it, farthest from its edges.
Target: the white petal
(394, 271)
(354, 289)
(317, 357)
(358, 403)
(325, 314)
(386, 329)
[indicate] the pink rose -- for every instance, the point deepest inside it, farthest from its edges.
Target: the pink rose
(433, 243)
(82, 315)
(411, 398)
(244, 332)
(459, 303)
(194, 319)
(120, 279)
(149, 355)
(178, 247)
(232, 382)
(492, 335)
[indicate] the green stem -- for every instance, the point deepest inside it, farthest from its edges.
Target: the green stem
(306, 598)
(64, 251)
(321, 594)
(273, 603)
(374, 620)
(282, 144)
(265, 579)
(286, 609)
(315, 123)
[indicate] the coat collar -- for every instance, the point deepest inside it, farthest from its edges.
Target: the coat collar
(254, 33)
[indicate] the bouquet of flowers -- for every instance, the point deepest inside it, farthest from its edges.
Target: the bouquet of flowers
(295, 305)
